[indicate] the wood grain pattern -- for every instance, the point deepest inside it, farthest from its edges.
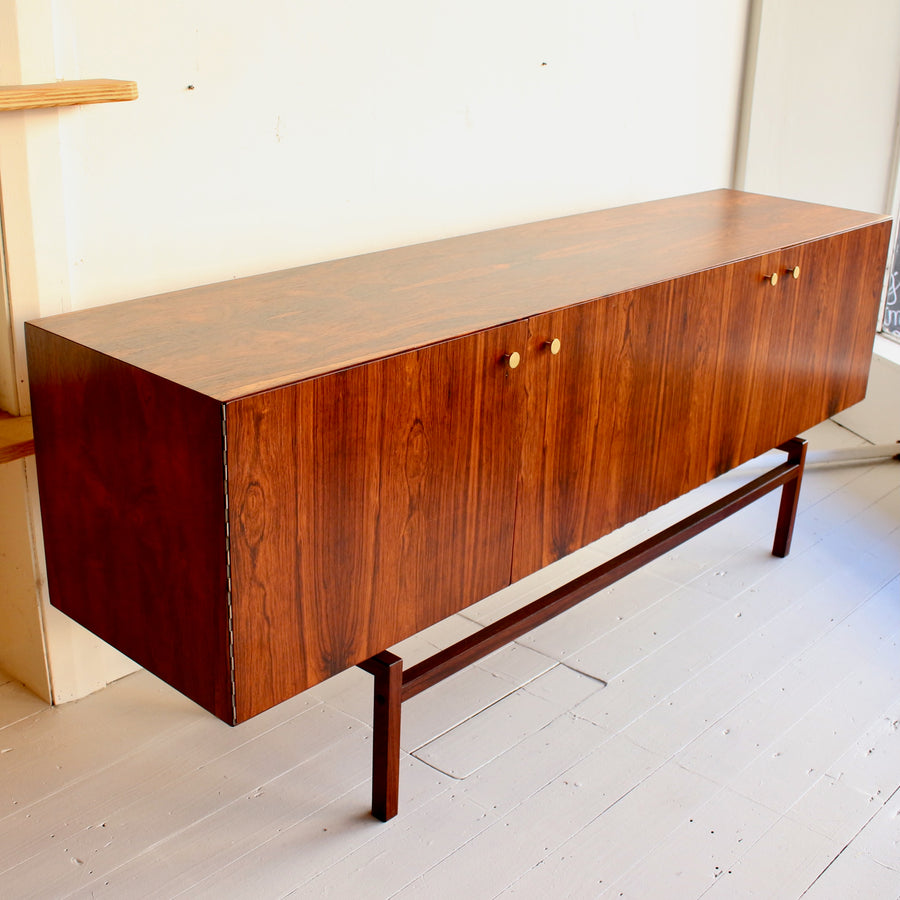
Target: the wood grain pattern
(833, 310)
(393, 685)
(387, 668)
(395, 470)
(66, 93)
(366, 505)
(179, 793)
(621, 416)
(656, 391)
(239, 337)
(131, 479)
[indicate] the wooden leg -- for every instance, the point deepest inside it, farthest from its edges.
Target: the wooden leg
(388, 671)
(790, 495)
(393, 685)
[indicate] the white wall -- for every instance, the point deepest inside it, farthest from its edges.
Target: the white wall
(323, 128)
(821, 124)
(824, 102)
(33, 636)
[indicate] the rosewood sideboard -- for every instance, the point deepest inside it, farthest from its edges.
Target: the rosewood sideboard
(250, 486)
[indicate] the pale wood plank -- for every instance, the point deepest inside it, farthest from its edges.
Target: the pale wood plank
(444, 707)
(287, 768)
(436, 637)
(523, 838)
(16, 703)
(687, 657)
(855, 876)
(870, 765)
(16, 437)
(654, 678)
(86, 802)
(598, 698)
(702, 849)
(299, 851)
(735, 739)
(829, 435)
(53, 750)
(200, 845)
(448, 703)
(182, 855)
(790, 766)
(782, 864)
(736, 673)
(641, 819)
(859, 791)
(377, 870)
(561, 637)
(851, 502)
(834, 809)
(504, 724)
(625, 644)
(739, 541)
(158, 798)
(511, 778)
(880, 839)
(66, 93)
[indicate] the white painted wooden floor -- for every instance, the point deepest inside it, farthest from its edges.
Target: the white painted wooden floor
(722, 724)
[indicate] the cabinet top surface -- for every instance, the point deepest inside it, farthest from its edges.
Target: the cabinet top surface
(239, 337)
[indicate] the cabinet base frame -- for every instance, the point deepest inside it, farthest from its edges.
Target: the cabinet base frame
(393, 685)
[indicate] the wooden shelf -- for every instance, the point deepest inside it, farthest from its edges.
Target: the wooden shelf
(66, 93)
(16, 437)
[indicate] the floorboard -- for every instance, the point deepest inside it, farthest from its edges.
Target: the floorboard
(720, 724)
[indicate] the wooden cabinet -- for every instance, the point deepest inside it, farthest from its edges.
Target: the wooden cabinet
(251, 486)
(380, 497)
(662, 388)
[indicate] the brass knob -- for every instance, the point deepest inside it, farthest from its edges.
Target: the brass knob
(512, 359)
(795, 272)
(553, 346)
(772, 279)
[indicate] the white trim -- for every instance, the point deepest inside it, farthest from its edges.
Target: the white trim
(745, 108)
(887, 348)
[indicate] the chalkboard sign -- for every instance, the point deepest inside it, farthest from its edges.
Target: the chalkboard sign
(891, 321)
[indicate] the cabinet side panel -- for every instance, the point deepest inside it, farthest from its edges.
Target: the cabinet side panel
(367, 505)
(132, 489)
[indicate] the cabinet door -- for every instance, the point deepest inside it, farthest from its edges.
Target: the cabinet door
(368, 504)
(751, 365)
(796, 352)
(567, 495)
(621, 416)
(656, 391)
(832, 307)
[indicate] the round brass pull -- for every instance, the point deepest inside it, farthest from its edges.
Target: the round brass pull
(795, 272)
(553, 346)
(772, 279)
(512, 359)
